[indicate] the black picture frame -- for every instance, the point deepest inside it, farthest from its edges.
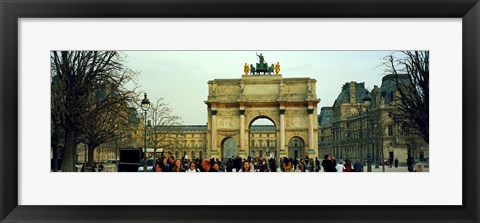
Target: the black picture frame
(11, 11)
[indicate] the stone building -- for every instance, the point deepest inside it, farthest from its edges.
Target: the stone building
(352, 130)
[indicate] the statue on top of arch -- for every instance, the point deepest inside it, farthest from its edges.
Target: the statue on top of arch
(261, 67)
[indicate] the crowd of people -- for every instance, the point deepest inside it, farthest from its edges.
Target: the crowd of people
(256, 164)
(250, 164)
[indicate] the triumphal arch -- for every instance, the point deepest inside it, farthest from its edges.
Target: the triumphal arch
(234, 104)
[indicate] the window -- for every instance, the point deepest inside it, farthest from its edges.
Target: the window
(390, 130)
(389, 114)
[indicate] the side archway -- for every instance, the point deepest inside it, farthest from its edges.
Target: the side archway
(229, 148)
(296, 148)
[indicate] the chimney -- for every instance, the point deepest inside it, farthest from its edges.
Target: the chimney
(352, 91)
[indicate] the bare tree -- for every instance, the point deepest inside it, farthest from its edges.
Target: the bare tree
(108, 113)
(76, 76)
(163, 122)
(413, 91)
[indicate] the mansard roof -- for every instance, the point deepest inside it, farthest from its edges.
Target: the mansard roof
(389, 85)
(344, 96)
(325, 117)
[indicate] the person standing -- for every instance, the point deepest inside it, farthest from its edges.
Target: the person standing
(216, 166)
(171, 163)
(294, 162)
(396, 163)
(317, 165)
(358, 166)
(281, 164)
(287, 165)
(246, 167)
(302, 165)
(347, 166)
(178, 167)
(312, 165)
(272, 165)
(330, 164)
(229, 165)
(207, 167)
(410, 162)
(324, 163)
(159, 167)
(238, 163)
(192, 167)
(339, 167)
(263, 166)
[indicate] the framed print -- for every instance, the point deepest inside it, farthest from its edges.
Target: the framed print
(223, 65)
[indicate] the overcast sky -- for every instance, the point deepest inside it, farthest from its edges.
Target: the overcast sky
(180, 77)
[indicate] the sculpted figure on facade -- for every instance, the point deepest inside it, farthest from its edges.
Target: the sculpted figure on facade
(277, 68)
(241, 88)
(309, 88)
(214, 92)
(246, 69)
(260, 57)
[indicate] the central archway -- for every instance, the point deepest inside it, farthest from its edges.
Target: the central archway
(262, 138)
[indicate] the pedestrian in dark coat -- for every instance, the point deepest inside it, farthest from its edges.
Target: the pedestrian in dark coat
(294, 162)
(358, 166)
(272, 166)
(317, 165)
(410, 162)
(330, 164)
(238, 163)
(229, 165)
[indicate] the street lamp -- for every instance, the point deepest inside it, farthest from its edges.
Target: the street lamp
(375, 143)
(367, 101)
(145, 106)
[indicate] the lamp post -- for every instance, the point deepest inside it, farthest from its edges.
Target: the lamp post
(367, 100)
(375, 142)
(145, 106)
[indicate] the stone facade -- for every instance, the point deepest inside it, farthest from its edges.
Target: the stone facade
(234, 104)
(351, 131)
